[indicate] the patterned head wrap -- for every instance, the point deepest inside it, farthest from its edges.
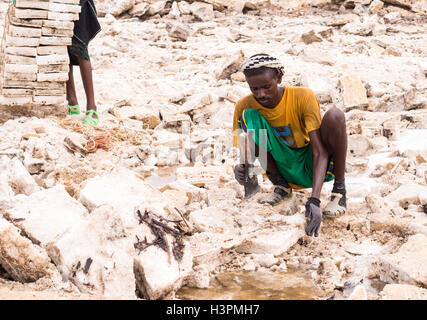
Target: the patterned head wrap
(263, 60)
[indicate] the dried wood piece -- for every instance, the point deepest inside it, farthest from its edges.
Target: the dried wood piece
(159, 230)
(178, 248)
(87, 265)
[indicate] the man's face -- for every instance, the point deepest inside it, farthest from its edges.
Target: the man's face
(265, 88)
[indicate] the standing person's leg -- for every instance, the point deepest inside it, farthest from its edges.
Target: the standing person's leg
(73, 104)
(334, 137)
(71, 89)
(92, 116)
(86, 73)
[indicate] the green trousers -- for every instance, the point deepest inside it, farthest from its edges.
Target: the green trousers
(295, 165)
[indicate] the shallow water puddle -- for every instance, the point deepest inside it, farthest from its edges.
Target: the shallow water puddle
(261, 285)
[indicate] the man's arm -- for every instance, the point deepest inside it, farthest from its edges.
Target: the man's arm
(312, 119)
(320, 162)
(312, 207)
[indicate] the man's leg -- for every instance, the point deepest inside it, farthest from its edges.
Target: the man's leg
(86, 73)
(334, 137)
(281, 186)
(71, 90)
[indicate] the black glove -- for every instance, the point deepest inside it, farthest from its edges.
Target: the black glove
(312, 211)
(239, 173)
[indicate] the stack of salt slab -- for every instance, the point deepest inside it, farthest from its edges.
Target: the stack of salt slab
(34, 60)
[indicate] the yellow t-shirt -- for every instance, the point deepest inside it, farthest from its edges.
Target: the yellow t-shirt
(292, 119)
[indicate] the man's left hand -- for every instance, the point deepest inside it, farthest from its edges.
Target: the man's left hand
(312, 211)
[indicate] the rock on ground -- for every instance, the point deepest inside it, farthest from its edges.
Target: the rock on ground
(408, 265)
(23, 260)
(97, 255)
(45, 215)
(271, 242)
(122, 190)
(17, 176)
(403, 292)
(158, 272)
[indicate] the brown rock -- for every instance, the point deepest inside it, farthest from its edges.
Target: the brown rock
(139, 10)
(341, 20)
(310, 37)
(202, 11)
(326, 34)
(375, 6)
(229, 65)
(407, 4)
(392, 52)
(354, 93)
(178, 31)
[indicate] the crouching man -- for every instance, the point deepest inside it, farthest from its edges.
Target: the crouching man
(302, 149)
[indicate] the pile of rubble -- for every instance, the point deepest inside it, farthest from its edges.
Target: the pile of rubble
(204, 10)
(161, 209)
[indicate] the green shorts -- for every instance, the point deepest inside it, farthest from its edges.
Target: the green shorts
(295, 165)
(76, 51)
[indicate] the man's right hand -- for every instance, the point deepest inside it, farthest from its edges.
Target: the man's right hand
(312, 211)
(239, 173)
